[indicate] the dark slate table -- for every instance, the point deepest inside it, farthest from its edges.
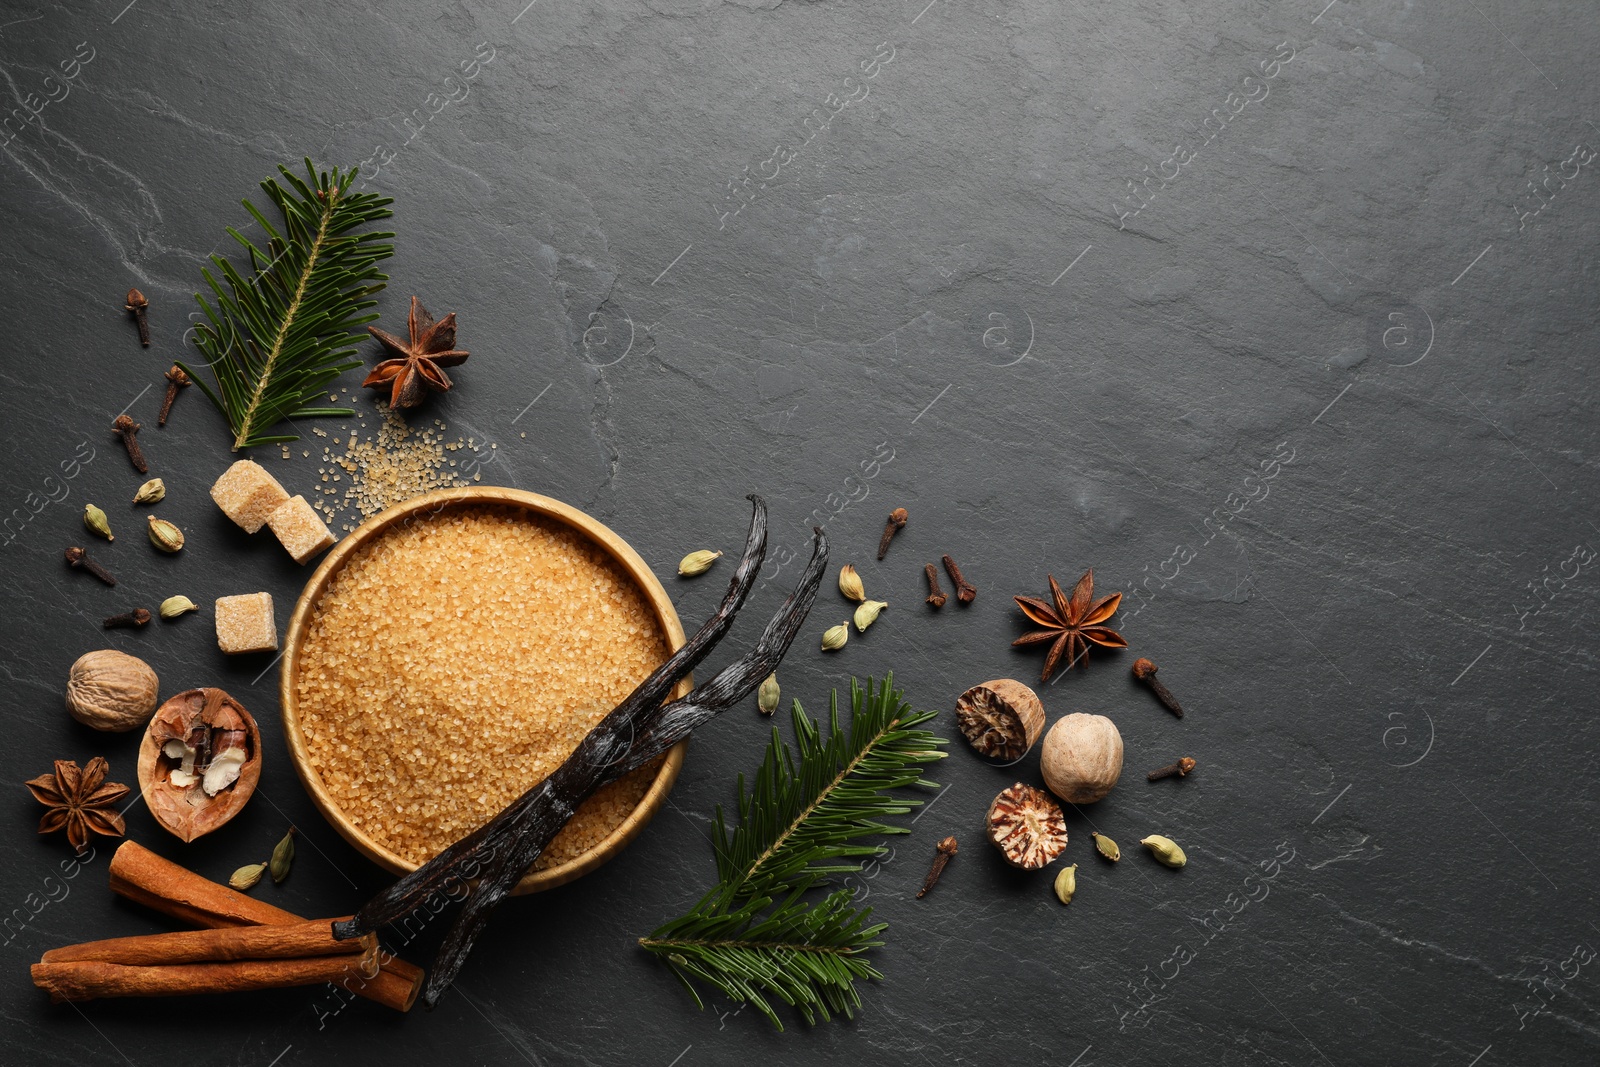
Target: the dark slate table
(1278, 315)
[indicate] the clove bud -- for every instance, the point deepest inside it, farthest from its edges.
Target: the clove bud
(936, 595)
(942, 853)
(964, 590)
(896, 523)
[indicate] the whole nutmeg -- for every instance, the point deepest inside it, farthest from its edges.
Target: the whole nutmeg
(111, 690)
(1082, 757)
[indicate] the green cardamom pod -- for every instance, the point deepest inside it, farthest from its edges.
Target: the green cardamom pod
(833, 640)
(850, 584)
(247, 876)
(164, 535)
(696, 563)
(1166, 850)
(174, 606)
(867, 614)
(152, 492)
(767, 695)
(282, 856)
(1106, 847)
(1066, 883)
(96, 521)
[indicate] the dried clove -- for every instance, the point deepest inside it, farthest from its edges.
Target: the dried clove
(1145, 671)
(128, 430)
(78, 559)
(176, 379)
(936, 595)
(942, 853)
(137, 304)
(1181, 768)
(127, 620)
(896, 523)
(964, 589)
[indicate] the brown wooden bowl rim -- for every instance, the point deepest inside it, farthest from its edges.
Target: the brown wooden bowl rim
(439, 500)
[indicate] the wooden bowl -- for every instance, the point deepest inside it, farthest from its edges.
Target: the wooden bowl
(421, 507)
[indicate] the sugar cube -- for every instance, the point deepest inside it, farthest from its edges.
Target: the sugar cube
(300, 529)
(245, 624)
(248, 495)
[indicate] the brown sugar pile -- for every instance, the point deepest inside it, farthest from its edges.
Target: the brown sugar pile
(456, 661)
(401, 462)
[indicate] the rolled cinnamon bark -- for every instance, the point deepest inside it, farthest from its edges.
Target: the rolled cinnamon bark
(141, 875)
(92, 979)
(286, 942)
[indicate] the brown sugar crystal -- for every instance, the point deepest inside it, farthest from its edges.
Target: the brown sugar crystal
(456, 661)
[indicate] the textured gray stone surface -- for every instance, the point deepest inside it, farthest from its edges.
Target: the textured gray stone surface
(1325, 400)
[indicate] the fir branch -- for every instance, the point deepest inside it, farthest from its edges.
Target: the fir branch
(801, 822)
(274, 341)
(796, 820)
(807, 955)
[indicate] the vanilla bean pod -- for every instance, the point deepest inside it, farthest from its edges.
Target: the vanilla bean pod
(663, 728)
(597, 752)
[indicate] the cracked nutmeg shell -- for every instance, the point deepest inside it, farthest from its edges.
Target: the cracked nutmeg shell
(1027, 827)
(1000, 719)
(1081, 758)
(199, 762)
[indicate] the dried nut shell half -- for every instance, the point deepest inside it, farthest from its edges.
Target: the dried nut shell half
(1000, 719)
(1106, 847)
(1027, 827)
(111, 690)
(200, 762)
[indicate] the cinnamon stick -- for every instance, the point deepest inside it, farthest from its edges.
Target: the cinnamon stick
(286, 942)
(92, 979)
(141, 875)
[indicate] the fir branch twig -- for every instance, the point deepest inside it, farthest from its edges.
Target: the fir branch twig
(800, 822)
(275, 340)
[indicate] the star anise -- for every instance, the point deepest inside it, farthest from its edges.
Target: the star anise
(1071, 623)
(81, 802)
(417, 365)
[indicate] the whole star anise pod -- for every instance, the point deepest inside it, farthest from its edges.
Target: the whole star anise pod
(1071, 623)
(81, 802)
(418, 364)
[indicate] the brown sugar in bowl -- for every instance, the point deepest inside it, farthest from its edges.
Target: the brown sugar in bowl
(442, 665)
